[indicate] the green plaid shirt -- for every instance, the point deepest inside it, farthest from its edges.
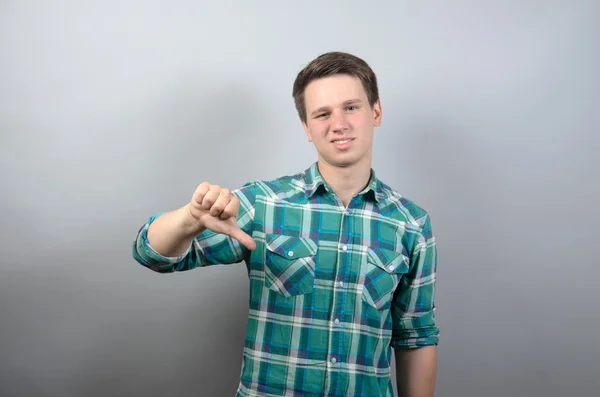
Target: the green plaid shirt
(332, 289)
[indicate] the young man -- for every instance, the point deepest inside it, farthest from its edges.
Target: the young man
(342, 268)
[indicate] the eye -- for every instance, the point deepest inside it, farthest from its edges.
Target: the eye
(322, 115)
(351, 107)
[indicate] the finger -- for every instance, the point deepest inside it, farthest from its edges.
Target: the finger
(210, 197)
(231, 210)
(200, 192)
(242, 237)
(221, 203)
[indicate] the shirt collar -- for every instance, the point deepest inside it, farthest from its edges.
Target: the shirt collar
(314, 181)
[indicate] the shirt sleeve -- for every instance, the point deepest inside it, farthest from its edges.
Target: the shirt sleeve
(208, 248)
(413, 305)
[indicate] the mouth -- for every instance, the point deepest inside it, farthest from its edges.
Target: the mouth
(342, 144)
(343, 141)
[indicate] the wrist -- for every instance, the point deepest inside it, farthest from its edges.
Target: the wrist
(190, 226)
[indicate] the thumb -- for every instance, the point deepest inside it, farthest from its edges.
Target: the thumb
(238, 234)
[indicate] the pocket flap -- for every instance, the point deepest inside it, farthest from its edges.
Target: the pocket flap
(391, 261)
(291, 247)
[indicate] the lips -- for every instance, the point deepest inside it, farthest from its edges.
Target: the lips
(342, 144)
(342, 141)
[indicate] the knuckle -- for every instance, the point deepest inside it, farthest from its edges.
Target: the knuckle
(228, 212)
(208, 200)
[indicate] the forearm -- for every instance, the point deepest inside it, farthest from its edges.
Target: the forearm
(416, 371)
(172, 233)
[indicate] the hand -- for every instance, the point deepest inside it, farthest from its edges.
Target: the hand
(216, 208)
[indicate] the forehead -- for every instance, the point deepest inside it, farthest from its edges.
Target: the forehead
(333, 90)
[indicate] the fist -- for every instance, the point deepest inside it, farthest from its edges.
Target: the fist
(216, 208)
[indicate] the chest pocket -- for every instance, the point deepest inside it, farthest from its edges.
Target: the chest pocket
(290, 264)
(383, 272)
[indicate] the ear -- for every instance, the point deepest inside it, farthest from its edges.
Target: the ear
(377, 113)
(306, 131)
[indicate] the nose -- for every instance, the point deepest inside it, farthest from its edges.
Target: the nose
(338, 121)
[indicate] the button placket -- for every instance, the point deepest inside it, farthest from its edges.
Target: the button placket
(340, 271)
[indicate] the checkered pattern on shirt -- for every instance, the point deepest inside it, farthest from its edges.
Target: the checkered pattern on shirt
(332, 289)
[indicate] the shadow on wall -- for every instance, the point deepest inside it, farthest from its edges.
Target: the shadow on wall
(452, 178)
(453, 183)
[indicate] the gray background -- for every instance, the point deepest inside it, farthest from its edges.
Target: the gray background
(112, 110)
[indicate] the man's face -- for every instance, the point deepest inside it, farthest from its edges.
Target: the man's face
(340, 121)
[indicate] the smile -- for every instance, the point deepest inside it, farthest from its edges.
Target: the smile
(341, 142)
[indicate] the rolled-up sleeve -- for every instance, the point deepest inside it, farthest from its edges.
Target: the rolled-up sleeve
(413, 305)
(208, 248)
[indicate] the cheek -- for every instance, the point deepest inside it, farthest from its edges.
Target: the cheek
(360, 119)
(318, 131)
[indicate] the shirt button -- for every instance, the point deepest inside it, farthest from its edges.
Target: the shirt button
(391, 268)
(290, 253)
(341, 284)
(333, 360)
(345, 248)
(336, 321)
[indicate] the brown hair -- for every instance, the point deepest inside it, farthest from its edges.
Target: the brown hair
(329, 64)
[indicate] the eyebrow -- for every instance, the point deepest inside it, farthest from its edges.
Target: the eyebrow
(322, 109)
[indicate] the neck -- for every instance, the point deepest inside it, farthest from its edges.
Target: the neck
(346, 182)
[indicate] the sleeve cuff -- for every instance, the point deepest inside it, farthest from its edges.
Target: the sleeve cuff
(148, 256)
(412, 338)
(415, 342)
(151, 253)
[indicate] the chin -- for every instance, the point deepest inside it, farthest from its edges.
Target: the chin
(341, 162)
